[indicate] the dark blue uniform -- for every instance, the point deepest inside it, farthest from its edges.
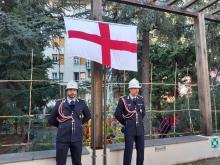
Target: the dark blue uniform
(69, 134)
(130, 113)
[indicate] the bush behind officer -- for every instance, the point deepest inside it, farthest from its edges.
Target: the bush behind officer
(130, 112)
(69, 115)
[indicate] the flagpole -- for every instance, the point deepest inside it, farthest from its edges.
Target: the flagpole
(105, 106)
(93, 140)
(124, 83)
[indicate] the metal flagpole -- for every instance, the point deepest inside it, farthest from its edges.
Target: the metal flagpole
(105, 108)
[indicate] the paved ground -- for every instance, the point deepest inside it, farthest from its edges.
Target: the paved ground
(213, 161)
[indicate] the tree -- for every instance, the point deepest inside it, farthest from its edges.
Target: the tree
(153, 28)
(25, 26)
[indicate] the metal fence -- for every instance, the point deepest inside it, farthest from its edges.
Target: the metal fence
(169, 116)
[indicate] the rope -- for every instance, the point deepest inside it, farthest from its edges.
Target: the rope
(62, 118)
(129, 113)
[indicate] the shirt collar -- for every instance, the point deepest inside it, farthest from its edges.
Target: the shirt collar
(133, 97)
(69, 99)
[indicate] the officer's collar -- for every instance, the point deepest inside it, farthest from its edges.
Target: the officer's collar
(132, 97)
(68, 99)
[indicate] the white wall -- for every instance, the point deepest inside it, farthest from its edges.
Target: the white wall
(154, 155)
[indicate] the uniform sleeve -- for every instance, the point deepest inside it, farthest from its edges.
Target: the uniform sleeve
(86, 114)
(52, 119)
(119, 112)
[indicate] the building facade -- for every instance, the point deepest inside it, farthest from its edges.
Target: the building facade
(66, 68)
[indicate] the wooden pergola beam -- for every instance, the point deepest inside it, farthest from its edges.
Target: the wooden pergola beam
(215, 18)
(152, 1)
(171, 2)
(188, 4)
(203, 75)
(210, 3)
(97, 90)
(166, 8)
(158, 6)
(214, 11)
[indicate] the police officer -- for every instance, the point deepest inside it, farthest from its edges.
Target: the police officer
(130, 112)
(69, 115)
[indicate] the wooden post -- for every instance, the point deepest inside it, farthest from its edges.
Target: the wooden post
(203, 75)
(97, 77)
(145, 77)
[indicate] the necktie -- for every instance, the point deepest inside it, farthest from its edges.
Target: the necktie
(135, 101)
(72, 103)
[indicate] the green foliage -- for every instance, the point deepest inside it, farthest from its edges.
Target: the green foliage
(213, 40)
(25, 26)
(164, 61)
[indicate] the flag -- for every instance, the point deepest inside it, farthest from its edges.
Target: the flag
(109, 44)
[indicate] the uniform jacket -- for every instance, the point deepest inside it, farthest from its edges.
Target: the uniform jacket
(133, 125)
(81, 115)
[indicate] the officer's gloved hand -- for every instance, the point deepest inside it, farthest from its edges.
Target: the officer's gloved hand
(123, 129)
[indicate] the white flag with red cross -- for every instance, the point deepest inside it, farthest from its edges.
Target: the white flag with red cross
(112, 45)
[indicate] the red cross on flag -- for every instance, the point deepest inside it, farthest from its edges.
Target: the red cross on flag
(112, 45)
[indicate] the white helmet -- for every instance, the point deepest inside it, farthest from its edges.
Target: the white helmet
(72, 85)
(134, 84)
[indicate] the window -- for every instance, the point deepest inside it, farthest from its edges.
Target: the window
(76, 76)
(55, 57)
(89, 73)
(82, 75)
(54, 76)
(88, 64)
(58, 58)
(61, 76)
(76, 61)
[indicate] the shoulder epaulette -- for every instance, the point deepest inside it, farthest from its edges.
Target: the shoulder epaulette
(60, 99)
(80, 99)
(140, 96)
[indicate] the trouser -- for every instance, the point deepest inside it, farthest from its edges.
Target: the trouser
(62, 151)
(139, 145)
